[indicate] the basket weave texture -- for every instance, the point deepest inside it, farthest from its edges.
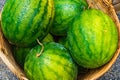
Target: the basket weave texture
(104, 5)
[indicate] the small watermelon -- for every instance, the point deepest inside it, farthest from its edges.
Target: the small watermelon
(92, 38)
(54, 63)
(23, 21)
(65, 11)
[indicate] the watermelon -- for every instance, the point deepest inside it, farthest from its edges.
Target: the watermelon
(19, 54)
(23, 21)
(54, 63)
(92, 39)
(65, 11)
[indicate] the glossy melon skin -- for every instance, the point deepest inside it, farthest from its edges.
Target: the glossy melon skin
(23, 21)
(92, 38)
(55, 63)
(65, 11)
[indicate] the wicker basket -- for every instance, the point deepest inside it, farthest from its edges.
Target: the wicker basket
(104, 5)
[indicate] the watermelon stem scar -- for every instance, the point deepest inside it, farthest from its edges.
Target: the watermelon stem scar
(38, 55)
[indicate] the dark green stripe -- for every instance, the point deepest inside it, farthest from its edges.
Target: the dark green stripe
(32, 27)
(6, 14)
(85, 42)
(40, 21)
(78, 47)
(30, 20)
(71, 39)
(19, 21)
(11, 4)
(15, 8)
(51, 15)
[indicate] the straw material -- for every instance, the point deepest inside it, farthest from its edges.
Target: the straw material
(104, 5)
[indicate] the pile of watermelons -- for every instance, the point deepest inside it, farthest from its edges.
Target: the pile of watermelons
(52, 39)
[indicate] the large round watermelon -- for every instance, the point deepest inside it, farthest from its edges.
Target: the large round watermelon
(93, 38)
(54, 63)
(23, 21)
(65, 11)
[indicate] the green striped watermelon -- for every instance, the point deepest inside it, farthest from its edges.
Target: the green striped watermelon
(19, 54)
(23, 21)
(55, 63)
(93, 38)
(65, 11)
